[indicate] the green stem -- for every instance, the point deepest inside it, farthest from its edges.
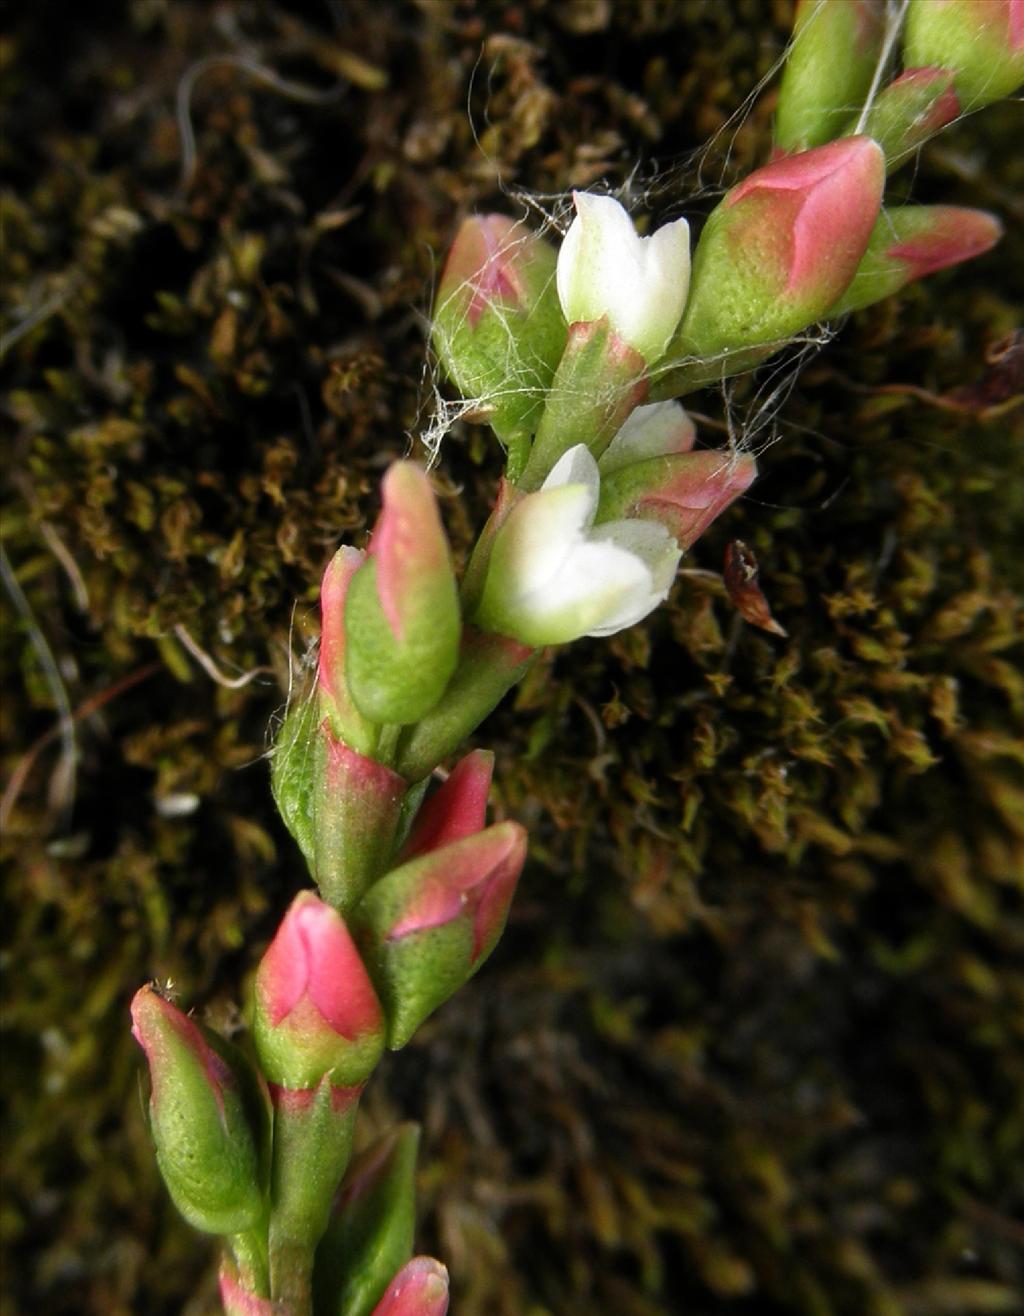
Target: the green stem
(250, 1253)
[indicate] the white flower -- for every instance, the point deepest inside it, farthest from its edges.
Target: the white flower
(553, 576)
(657, 430)
(605, 268)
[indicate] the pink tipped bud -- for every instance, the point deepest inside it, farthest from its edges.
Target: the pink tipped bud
(912, 241)
(981, 41)
(782, 246)
(456, 810)
(199, 1117)
(419, 1289)
(335, 698)
(402, 609)
(316, 1011)
(428, 926)
(685, 492)
(915, 107)
(820, 86)
(498, 327)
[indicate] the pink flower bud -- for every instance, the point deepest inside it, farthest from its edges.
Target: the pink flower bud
(981, 41)
(316, 1012)
(685, 492)
(200, 1118)
(419, 1289)
(498, 328)
(428, 926)
(820, 86)
(402, 610)
(456, 810)
(912, 241)
(335, 698)
(782, 246)
(914, 107)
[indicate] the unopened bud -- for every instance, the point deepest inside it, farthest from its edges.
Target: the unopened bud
(781, 247)
(428, 926)
(316, 1012)
(829, 68)
(402, 609)
(498, 328)
(910, 110)
(370, 1234)
(981, 41)
(912, 241)
(456, 810)
(201, 1117)
(419, 1289)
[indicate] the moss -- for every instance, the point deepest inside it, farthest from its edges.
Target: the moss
(753, 1041)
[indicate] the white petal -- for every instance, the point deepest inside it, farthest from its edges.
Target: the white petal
(666, 256)
(650, 543)
(577, 466)
(598, 260)
(599, 582)
(657, 430)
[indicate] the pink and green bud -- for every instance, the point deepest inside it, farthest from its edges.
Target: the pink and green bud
(912, 241)
(402, 609)
(455, 811)
(920, 103)
(683, 493)
(554, 575)
(489, 666)
(980, 41)
(781, 247)
(336, 702)
(202, 1112)
(428, 926)
(829, 68)
(498, 329)
(599, 382)
(419, 1289)
(370, 1234)
(315, 1011)
(606, 269)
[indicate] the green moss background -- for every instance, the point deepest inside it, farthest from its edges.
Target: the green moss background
(754, 1043)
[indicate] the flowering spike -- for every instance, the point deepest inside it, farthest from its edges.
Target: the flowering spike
(606, 269)
(912, 241)
(456, 810)
(402, 610)
(428, 926)
(336, 701)
(199, 1116)
(910, 110)
(554, 575)
(498, 329)
(781, 247)
(820, 84)
(981, 41)
(316, 1012)
(370, 1234)
(685, 493)
(419, 1289)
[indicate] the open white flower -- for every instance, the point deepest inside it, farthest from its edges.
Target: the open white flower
(553, 576)
(606, 268)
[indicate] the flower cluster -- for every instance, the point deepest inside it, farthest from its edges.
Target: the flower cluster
(576, 357)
